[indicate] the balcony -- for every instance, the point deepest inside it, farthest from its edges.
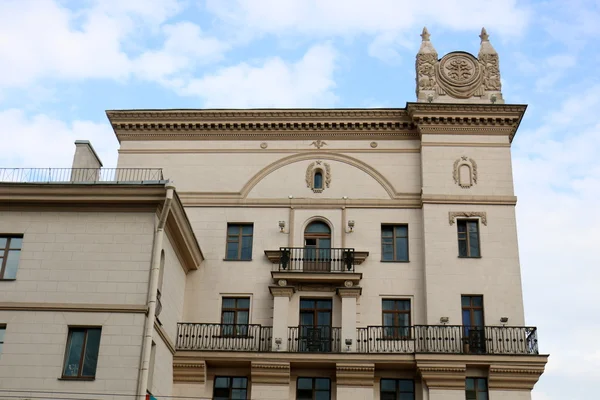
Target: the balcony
(81, 175)
(307, 264)
(438, 339)
(224, 337)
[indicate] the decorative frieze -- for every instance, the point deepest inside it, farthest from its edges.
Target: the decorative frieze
(350, 374)
(189, 371)
(276, 373)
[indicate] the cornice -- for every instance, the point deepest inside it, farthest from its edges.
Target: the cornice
(275, 373)
(515, 377)
(443, 375)
(165, 337)
(187, 371)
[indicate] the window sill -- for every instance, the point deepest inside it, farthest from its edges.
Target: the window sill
(469, 256)
(395, 261)
(237, 259)
(85, 378)
(8, 279)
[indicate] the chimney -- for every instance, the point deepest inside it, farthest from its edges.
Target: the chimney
(86, 163)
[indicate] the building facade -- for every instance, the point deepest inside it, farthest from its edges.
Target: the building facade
(346, 253)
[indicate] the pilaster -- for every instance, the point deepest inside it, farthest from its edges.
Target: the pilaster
(349, 296)
(281, 300)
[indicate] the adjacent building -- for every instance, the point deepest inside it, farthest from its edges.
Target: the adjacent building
(346, 253)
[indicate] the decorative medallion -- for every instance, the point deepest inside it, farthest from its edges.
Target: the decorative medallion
(264, 145)
(282, 282)
(373, 144)
(318, 143)
(318, 176)
(348, 283)
(452, 215)
(465, 172)
(460, 75)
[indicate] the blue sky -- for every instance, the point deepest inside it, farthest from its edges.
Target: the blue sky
(62, 63)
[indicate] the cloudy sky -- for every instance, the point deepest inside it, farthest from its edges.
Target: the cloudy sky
(62, 63)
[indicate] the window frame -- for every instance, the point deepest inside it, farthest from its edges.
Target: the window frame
(230, 385)
(477, 391)
(397, 392)
(394, 238)
(80, 376)
(235, 332)
(314, 390)
(465, 221)
(396, 328)
(5, 251)
(239, 240)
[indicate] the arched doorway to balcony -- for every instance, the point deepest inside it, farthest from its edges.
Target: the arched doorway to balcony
(317, 247)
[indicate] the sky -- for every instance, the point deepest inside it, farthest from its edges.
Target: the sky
(63, 63)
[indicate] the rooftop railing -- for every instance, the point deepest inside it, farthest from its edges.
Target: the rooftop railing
(81, 175)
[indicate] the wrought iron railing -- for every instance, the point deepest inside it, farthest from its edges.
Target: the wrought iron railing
(313, 260)
(224, 337)
(311, 339)
(454, 339)
(80, 175)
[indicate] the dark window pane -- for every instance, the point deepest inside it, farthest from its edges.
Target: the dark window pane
(242, 317)
(481, 385)
(3, 243)
(12, 262)
(318, 227)
(92, 347)
(243, 302)
(462, 248)
(240, 383)
(387, 231)
(388, 385)
(324, 304)
(305, 383)
(15, 243)
(402, 231)
(401, 249)
(322, 384)
(388, 396)
(470, 384)
(472, 226)
(466, 317)
(228, 317)
(74, 349)
(478, 318)
(246, 247)
(387, 252)
(318, 180)
(404, 305)
(229, 302)
(403, 320)
(478, 301)
(307, 304)
(388, 319)
(222, 382)
(407, 396)
(232, 250)
(324, 395)
(465, 301)
(238, 394)
(233, 229)
(247, 229)
(304, 394)
(387, 304)
(407, 385)
(474, 244)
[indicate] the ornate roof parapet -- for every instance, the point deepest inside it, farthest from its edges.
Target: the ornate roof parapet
(458, 77)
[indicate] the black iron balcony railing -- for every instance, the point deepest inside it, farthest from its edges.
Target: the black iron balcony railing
(314, 339)
(454, 339)
(80, 175)
(313, 260)
(449, 339)
(224, 337)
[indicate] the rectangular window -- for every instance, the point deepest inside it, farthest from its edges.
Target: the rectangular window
(10, 251)
(397, 389)
(468, 238)
(239, 241)
(81, 356)
(313, 389)
(230, 387)
(394, 242)
(396, 318)
(476, 389)
(235, 315)
(2, 333)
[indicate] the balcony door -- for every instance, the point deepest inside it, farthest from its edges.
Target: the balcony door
(315, 325)
(473, 324)
(317, 247)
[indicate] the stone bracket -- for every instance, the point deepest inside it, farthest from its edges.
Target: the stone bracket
(443, 375)
(271, 372)
(189, 372)
(351, 374)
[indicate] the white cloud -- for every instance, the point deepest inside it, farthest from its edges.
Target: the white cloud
(552, 69)
(42, 141)
(276, 83)
(42, 39)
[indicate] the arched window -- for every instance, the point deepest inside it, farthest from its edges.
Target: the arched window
(317, 247)
(318, 179)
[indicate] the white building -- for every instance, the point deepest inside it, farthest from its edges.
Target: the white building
(346, 253)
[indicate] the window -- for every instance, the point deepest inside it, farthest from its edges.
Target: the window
(81, 356)
(230, 387)
(397, 389)
(239, 241)
(313, 389)
(394, 242)
(318, 179)
(468, 238)
(235, 315)
(396, 318)
(2, 333)
(476, 389)
(10, 250)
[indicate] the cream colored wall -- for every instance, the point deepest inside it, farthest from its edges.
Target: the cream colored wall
(173, 291)
(510, 395)
(34, 348)
(162, 380)
(80, 257)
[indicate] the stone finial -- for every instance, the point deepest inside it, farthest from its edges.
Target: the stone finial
(484, 35)
(425, 34)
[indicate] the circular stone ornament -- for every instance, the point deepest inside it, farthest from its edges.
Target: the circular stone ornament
(459, 74)
(373, 144)
(282, 282)
(264, 145)
(348, 284)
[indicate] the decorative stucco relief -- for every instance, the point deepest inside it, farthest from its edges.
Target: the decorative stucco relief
(452, 215)
(318, 176)
(318, 143)
(465, 172)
